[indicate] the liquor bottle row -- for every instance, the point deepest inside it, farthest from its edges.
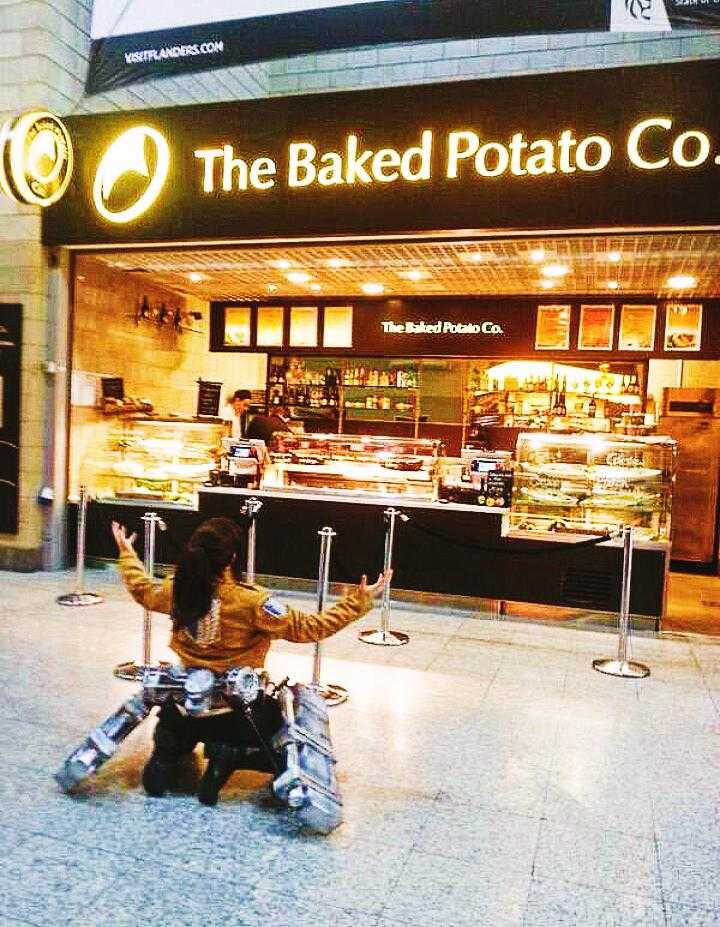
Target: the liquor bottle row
(405, 377)
(309, 397)
(604, 384)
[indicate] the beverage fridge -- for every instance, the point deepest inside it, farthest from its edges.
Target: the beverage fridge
(692, 417)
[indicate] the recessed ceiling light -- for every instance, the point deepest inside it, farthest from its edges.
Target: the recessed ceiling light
(372, 289)
(547, 284)
(537, 255)
(415, 274)
(271, 287)
(281, 264)
(612, 284)
(554, 270)
(614, 257)
(298, 276)
(681, 282)
(315, 287)
(196, 277)
(335, 263)
(473, 257)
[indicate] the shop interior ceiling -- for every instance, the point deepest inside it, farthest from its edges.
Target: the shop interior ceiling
(608, 265)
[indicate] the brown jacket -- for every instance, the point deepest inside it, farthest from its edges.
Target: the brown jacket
(246, 626)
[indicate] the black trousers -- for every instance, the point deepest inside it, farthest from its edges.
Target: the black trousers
(231, 728)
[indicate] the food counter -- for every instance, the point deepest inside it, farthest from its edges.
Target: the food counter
(489, 550)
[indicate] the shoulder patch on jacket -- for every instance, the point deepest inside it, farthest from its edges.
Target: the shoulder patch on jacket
(274, 607)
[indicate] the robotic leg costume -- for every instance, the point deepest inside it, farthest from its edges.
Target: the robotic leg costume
(300, 755)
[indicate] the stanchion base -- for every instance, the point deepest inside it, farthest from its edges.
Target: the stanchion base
(79, 598)
(384, 638)
(133, 672)
(333, 695)
(628, 669)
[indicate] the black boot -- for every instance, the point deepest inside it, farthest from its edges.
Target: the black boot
(172, 743)
(223, 760)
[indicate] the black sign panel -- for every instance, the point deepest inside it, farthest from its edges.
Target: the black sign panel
(113, 388)
(10, 341)
(625, 147)
(208, 402)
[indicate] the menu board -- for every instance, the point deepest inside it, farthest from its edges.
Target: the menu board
(683, 326)
(208, 404)
(552, 328)
(112, 388)
(637, 328)
(597, 325)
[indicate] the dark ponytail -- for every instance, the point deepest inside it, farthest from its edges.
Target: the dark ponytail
(210, 550)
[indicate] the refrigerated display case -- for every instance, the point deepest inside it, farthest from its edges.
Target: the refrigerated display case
(594, 484)
(357, 463)
(152, 460)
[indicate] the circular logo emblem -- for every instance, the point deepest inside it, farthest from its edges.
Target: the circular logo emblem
(131, 174)
(36, 158)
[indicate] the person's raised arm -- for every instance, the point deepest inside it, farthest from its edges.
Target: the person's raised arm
(291, 624)
(150, 593)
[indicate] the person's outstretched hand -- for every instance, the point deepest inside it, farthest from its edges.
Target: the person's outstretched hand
(123, 542)
(375, 588)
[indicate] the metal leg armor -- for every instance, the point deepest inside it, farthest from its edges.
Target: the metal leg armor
(308, 785)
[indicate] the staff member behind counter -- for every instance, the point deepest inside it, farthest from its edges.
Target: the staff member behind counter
(236, 413)
(220, 623)
(264, 426)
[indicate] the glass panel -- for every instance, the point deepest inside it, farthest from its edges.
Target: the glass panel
(237, 326)
(597, 324)
(270, 325)
(637, 328)
(683, 324)
(552, 332)
(303, 326)
(338, 327)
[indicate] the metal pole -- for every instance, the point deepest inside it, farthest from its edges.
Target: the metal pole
(333, 694)
(79, 596)
(131, 670)
(251, 509)
(383, 636)
(621, 666)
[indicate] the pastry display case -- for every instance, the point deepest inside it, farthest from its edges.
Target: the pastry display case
(355, 463)
(152, 460)
(594, 484)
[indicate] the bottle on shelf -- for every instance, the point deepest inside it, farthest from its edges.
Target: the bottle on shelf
(592, 408)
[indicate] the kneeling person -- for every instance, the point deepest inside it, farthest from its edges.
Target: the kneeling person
(220, 623)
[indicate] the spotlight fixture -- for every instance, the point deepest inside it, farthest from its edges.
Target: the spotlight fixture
(473, 257)
(681, 282)
(281, 264)
(298, 276)
(554, 270)
(372, 289)
(315, 287)
(614, 257)
(537, 255)
(195, 277)
(612, 284)
(547, 284)
(271, 287)
(336, 263)
(415, 275)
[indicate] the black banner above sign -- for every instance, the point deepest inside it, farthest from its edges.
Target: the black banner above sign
(133, 42)
(514, 153)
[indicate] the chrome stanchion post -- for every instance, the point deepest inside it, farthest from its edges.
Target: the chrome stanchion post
(131, 670)
(79, 596)
(383, 636)
(251, 509)
(621, 666)
(333, 694)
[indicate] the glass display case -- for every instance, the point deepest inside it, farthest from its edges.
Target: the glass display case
(594, 484)
(152, 459)
(356, 463)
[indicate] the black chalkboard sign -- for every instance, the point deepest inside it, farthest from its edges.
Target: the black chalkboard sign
(10, 342)
(113, 388)
(208, 403)
(499, 486)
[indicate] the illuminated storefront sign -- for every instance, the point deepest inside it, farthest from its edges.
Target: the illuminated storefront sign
(441, 327)
(36, 158)
(520, 153)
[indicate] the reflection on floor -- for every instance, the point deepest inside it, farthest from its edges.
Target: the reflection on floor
(490, 777)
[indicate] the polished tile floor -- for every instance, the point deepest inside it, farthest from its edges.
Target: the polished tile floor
(490, 777)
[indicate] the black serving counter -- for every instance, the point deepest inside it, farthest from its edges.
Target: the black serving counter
(450, 549)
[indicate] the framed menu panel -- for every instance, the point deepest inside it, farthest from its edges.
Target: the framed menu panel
(637, 328)
(597, 326)
(237, 326)
(303, 326)
(683, 326)
(552, 328)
